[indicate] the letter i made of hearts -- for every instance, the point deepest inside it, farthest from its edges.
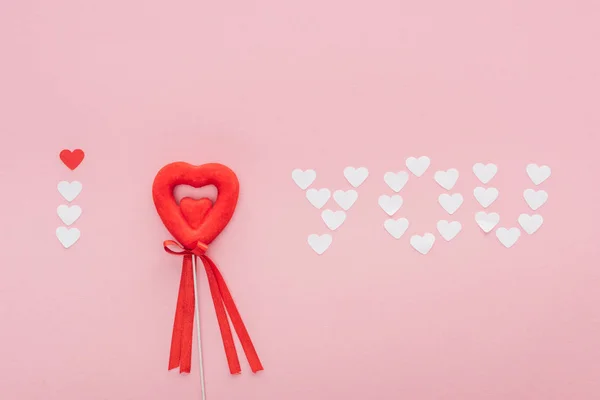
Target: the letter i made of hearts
(194, 224)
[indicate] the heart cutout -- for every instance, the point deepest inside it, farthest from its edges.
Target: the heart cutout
(72, 159)
(195, 220)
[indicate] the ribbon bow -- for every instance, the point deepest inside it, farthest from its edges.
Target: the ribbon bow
(183, 326)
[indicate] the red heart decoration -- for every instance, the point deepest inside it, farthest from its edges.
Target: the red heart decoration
(72, 159)
(194, 210)
(194, 221)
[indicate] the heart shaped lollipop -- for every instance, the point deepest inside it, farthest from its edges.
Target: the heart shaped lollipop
(195, 224)
(193, 220)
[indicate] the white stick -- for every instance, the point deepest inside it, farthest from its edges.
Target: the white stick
(200, 361)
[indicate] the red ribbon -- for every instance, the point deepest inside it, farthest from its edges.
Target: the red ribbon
(183, 326)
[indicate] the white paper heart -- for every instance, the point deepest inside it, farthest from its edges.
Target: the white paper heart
(486, 221)
(67, 236)
(390, 204)
(530, 223)
(418, 166)
(538, 174)
(448, 230)
(319, 243)
(446, 179)
(450, 203)
(333, 219)
(318, 197)
(396, 181)
(485, 172)
(535, 199)
(68, 215)
(345, 199)
(356, 176)
(304, 178)
(422, 244)
(396, 227)
(484, 196)
(508, 237)
(69, 190)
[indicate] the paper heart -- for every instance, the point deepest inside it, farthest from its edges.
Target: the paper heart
(356, 176)
(450, 203)
(422, 244)
(396, 181)
(484, 196)
(68, 215)
(530, 223)
(304, 178)
(67, 236)
(187, 227)
(448, 230)
(390, 204)
(446, 179)
(396, 227)
(508, 237)
(345, 199)
(319, 243)
(535, 199)
(486, 221)
(69, 190)
(538, 174)
(418, 166)
(333, 219)
(72, 159)
(486, 172)
(318, 197)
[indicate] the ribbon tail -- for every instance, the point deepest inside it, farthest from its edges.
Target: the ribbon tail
(226, 335)
(175, 354)
(183, 325)
(236, 319)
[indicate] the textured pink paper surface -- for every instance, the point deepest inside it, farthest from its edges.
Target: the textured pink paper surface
(265, 87)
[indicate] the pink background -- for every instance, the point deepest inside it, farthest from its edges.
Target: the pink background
(266, 87)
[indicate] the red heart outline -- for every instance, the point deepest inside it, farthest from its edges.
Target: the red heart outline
(217, 217)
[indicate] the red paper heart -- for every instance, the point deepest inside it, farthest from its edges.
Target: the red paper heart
(195, 220)
(72, 159)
